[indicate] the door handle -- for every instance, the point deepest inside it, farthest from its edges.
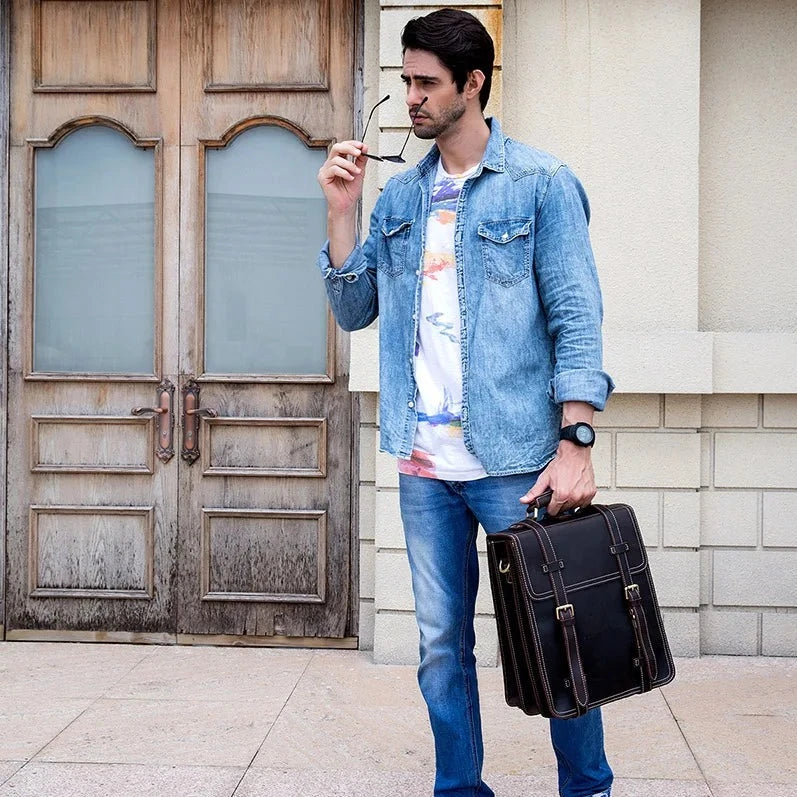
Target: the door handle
(165, 425)
(192, 413)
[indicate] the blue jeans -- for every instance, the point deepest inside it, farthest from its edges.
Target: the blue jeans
(441, 520)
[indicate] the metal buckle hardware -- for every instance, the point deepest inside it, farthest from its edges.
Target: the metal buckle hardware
(562, 608)
(630, 587)
(503, 568)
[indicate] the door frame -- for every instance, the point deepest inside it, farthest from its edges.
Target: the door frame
(351, 640)
(5, 87)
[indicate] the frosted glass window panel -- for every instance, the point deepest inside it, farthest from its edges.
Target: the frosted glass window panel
(265, 304)
(94, 293)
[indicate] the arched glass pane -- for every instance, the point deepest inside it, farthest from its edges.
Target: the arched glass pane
(95, 255)
(265, 307)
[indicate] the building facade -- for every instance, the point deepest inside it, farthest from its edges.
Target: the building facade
(162, 214)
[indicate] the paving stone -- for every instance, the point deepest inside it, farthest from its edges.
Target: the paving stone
(40, 779)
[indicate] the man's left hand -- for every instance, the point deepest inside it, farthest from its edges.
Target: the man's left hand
(570, 476)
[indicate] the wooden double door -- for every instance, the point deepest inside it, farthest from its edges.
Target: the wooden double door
(179, 426)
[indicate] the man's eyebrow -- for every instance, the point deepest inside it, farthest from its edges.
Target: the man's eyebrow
(429, 78)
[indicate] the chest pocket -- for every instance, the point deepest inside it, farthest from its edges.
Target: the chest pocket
(506, 249)
(393, 245)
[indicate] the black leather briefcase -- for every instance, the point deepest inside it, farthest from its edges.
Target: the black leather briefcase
(578, 620)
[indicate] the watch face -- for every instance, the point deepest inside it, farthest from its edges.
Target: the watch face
(584, 434)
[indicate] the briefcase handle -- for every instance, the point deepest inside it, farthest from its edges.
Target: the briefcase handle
(543, 500)
(540, 501)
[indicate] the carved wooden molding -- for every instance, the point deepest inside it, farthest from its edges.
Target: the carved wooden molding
(213, 85)
(34, 144)
(37, 466)
(40, 86)
(221, 143)
(320, 516)
(320, 424)
(35, 591)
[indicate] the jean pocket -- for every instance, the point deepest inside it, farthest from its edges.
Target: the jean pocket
(393, 243)
(506, 249)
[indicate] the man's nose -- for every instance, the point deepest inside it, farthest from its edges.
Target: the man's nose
(414, 97)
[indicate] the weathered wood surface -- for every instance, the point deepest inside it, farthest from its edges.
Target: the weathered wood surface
(261, 545)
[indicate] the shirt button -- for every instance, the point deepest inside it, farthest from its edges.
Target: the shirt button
(417, 272)
(504, 236)
(410, 404)
(350, 277)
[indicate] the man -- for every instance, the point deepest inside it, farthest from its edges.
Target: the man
(479, 266)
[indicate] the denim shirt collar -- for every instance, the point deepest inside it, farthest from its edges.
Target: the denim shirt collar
(493, 155)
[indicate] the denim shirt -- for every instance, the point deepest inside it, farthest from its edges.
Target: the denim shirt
(529, 300)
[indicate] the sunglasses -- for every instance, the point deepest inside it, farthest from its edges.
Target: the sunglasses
(391, 158)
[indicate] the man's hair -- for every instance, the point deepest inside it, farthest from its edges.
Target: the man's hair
(459, 40)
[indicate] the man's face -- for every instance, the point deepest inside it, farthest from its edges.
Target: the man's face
(425, 76)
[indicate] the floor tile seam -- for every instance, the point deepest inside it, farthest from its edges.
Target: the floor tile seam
(91, 703)
(688, 745)
(271, 727)
(223, 701)
(18, 769)
(133, 764)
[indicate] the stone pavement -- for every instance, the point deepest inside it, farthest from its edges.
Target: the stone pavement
(92, 720)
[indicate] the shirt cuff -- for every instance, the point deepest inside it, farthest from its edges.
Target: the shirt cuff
(584, 384)
(354, 265)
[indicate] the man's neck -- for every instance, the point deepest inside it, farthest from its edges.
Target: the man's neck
(462, 147)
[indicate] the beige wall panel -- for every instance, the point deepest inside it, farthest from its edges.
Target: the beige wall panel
(612, 89)
(73, 41)
(729, 633)
(780, 520)
(745, 578)
(780, 411)
(748, 459)
(730, 410)
(658, 362)
(393, 20)
(729, 517)
(756, 362)
(652, 459)
(748, 159)
(629, 410)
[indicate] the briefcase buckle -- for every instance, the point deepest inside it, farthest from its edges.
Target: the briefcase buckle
(629, 588)
(564, 607)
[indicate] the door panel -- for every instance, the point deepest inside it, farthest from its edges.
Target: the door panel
(265, 540)
(92, 509)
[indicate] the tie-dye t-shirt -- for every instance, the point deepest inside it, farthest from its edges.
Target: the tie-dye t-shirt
(439, 450)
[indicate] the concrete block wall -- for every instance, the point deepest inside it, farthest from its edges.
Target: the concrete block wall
(720, 526)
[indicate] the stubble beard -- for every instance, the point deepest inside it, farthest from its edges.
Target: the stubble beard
(440, 125)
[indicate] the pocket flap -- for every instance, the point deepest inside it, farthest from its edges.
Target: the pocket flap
(582, 546)
(502, 231)
(392, 225)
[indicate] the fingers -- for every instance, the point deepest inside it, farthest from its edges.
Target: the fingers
(338, 165)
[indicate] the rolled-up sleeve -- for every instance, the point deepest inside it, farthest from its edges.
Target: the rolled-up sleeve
(352, 289)
(570, 293)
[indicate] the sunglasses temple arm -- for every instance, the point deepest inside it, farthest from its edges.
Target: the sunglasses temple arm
(370, 115)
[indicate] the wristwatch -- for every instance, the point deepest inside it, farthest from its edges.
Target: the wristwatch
(582, 434)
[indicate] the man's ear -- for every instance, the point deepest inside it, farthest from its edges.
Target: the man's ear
(474, 83)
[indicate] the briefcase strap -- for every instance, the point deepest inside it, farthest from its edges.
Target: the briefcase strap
(636, 612)
(565, 614)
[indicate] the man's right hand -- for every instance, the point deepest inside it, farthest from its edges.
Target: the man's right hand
(341, 179)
